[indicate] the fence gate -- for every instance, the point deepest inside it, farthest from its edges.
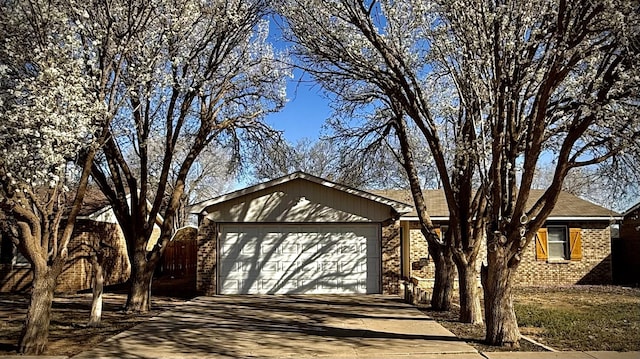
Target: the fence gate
(180, 259)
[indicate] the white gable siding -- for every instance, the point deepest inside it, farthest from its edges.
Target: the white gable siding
(299, 201)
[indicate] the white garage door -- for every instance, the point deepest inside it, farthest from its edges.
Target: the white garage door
(310, 259)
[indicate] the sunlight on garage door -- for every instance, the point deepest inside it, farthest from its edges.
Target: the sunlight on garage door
(309, 259)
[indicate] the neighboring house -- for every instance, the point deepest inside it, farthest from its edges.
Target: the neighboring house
(304, 234)
(626, 249)
(96, 228)
(630, 226)
(573, 246)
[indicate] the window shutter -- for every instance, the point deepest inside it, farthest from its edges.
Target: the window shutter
(575, 244)
(438, 232)
(542, 253)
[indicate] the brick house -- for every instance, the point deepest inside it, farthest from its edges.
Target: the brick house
(630, 226)
(573, 247)
(96, 228)
(299, 234)
(304, 234)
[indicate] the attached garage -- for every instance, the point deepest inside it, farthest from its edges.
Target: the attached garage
(298, 234)
(301, 259)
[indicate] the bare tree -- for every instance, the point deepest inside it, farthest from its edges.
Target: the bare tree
(96, 258)
(199, 73)
(210, 175)
(614, 184)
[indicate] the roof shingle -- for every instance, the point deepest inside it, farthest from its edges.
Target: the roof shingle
(568, 205)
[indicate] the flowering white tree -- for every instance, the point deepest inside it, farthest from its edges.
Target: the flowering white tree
(197, 72)
(374, 56)
(522, 80)
(342, 158)
(540, 79)
(48, 115)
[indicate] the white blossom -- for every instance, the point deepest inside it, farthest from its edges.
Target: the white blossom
(49, 107)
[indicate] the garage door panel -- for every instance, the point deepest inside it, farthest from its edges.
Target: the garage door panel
(235, 286)
(299, 259)
(287, 267)
(273, 286)
(289, 247)
(351, 267)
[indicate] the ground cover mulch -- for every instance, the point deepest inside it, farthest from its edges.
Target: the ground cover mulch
(68, 333)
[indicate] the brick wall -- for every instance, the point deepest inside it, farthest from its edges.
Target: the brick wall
(206, 268)
(418, 253)
(14, 279)
(78, 271)
(594, 268)
(391, 258)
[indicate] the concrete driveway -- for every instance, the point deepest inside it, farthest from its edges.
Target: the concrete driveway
(287, 326)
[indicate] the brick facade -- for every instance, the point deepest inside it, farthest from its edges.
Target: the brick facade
(207, 258)
(391, 257)
(593, 268)
(420, 263)
(78, 271)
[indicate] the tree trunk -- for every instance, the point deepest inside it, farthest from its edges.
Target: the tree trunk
(502, 325)
(139, 298)
(445, 275)
(470, 309)
(98, 284)
(35, 333)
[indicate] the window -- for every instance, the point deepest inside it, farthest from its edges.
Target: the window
(558, 243)
(6, 250)
(9, 254)
(19, 259)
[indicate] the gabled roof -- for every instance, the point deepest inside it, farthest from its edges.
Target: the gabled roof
(632, 209)
(399, 206)
(434, 198)
(568, 206)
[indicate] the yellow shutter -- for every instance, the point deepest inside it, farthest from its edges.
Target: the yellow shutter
(542, 253)
(575, 244)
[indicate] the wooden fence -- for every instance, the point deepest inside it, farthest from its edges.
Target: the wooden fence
(180, 259)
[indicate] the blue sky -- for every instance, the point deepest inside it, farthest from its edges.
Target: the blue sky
(305, 112)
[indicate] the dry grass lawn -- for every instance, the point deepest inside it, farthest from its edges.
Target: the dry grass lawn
(581, 317)
(68, 333)
(584, 318)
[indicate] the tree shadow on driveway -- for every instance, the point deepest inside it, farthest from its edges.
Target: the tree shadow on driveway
(284, 326)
